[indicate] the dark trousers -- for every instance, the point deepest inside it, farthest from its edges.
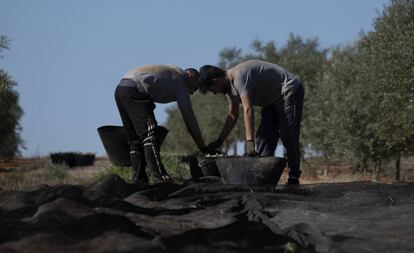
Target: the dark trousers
(137, 113)
(282, 121)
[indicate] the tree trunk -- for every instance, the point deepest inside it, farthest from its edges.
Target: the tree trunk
(377, 170)
(326, 169)
(397, 168)
(364, 165)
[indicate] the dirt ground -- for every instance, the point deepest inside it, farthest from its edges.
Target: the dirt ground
(208, 216)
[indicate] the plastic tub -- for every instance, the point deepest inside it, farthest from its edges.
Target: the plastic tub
(251, 170)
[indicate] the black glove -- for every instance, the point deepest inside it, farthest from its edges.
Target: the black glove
(249, 148)
(213, 146)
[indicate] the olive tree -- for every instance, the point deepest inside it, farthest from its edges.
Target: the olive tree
(10, 112)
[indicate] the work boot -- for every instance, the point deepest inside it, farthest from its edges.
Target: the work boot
(292, 184)
(153, 159)
(138, 167)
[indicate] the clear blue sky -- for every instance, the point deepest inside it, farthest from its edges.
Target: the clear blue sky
(67, 56)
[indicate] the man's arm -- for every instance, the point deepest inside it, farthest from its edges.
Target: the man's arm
(230, 120)
(229, 124)
(248, 115)
(184, 104)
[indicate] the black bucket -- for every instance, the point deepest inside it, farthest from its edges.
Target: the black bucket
(115, 142)
(73, 159)
(67, 158)
(86, 159)
(195, 170)
(251, 170)
(208, 166)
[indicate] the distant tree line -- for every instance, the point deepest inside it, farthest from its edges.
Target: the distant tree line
(359, 98)
(10, 112)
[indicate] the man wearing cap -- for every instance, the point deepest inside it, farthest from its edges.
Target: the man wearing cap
(277, 91)
(135, 96)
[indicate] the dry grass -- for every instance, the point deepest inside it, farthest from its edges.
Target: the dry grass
(41, 171)
(87, 174)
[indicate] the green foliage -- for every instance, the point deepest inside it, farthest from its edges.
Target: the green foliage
(10, 113)
(56, 172)
(230, 57)
(178, 170)
(337, 127)
(4, 43)
(367, 92)
(123, 172)
(388, 64)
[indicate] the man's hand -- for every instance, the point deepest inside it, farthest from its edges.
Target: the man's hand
(249, 148)
(203, 149)
(213, 146)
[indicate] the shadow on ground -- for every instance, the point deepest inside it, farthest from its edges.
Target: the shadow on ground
(207, 216)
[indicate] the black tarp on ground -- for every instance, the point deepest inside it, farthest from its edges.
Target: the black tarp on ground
(207, 216)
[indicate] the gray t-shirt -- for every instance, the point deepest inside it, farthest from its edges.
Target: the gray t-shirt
(265, 82)
(165, 84)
